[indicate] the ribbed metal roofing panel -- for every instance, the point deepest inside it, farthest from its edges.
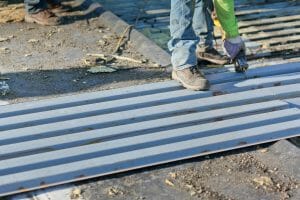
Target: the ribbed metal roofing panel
(71, 138)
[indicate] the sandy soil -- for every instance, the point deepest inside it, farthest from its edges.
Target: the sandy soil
(48, 61)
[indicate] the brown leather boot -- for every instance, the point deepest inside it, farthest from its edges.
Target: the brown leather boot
(211, 55)
(191, 78)
(43, 17)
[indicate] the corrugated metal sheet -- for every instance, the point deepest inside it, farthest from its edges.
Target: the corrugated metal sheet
(294, 102)
(71, 138)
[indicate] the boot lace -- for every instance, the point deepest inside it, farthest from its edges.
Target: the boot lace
(196, 72)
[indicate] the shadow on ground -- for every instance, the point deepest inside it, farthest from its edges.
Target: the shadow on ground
(62, 81)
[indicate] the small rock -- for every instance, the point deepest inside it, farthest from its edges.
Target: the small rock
(169, 183)
(107, 37)
(28, 55)
(200, 191)
(264, 150)
(4, 39)
(51, 32)
(76, 193)
(263, 181)
(114, 191)
(111, 192)
(192, 193)
(90, 61)
(4, 50)
(173, 175)
(285, 196)
(189, 186)
(278, 186)
(102, 42)
(33, 41)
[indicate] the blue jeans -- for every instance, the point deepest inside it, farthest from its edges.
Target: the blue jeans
(34, 6)
(188, 29)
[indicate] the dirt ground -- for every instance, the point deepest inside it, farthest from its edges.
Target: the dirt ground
(263, 172)
(42, 62)
(45, 61)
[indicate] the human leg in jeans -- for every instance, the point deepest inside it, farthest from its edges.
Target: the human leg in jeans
(3, 3)
(204, 28)
(37, 12)
(183, 45)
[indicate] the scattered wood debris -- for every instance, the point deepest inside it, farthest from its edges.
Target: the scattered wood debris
(4, 50)
(76, 193)
(169, 183)
(33, 41)
(101, 69)
(173, 175)
(12, 13)
(4, 39)
(2, 78)
(263, 181)
(265, 150)
(113, 191)
(105, 63)
(110, 57)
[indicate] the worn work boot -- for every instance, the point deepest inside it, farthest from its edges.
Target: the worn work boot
(44, 17)
(211, 55)
(191, 78)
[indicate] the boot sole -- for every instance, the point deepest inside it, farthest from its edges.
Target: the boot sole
(191, 87)
(218, 62)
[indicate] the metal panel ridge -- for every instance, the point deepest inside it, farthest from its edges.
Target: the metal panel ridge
(80, 170)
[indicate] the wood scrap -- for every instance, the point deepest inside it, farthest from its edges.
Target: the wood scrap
(121, 42)
(12, 13)
(101, 69)
(123, 58)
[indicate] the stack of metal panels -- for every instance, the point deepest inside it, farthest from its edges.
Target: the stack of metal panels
(72, 138)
